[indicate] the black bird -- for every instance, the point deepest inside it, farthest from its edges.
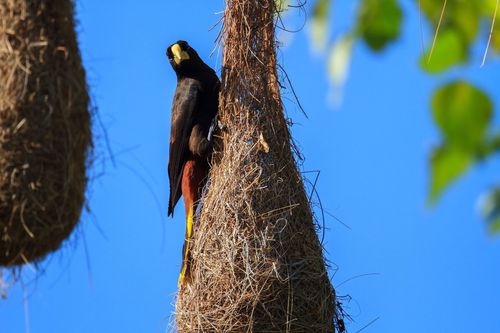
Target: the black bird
(194, 109)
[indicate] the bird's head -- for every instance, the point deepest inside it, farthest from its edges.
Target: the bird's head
(183, 57)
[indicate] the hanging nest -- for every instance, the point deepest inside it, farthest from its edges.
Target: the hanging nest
(45, 133)
(257, 263)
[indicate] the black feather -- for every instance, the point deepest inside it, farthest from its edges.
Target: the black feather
(195, 104)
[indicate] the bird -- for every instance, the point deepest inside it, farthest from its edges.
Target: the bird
(194, 113)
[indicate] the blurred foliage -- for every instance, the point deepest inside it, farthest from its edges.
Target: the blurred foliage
(459, 15)
(490, 209)
(282, 5)
(379, 22)
(447, 164)
(340, 59)
(462, 112)
(319, 23)
(448, 51)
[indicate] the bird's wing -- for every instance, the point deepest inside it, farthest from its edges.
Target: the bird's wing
(184, 108)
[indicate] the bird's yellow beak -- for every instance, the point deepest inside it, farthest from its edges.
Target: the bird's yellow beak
(179, 54)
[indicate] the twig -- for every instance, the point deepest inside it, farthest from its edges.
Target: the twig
(293, 90)
(356, 277)
(367, 325)
(491, 34)
(437, 31)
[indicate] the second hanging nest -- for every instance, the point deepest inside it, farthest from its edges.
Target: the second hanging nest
(45, 133)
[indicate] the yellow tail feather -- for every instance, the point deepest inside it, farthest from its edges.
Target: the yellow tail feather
(183, 278)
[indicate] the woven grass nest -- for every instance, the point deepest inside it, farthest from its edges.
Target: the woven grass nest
(257, 263)
(45, 133)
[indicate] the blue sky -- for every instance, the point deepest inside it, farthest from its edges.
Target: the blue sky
(427, 270)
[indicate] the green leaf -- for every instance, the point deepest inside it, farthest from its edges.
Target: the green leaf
(448, 51)
(495, 226)
(490, 210)
(447, 164)
(461, 15)
(319, 23)
(463, 113)
(489, 12)
(495, 143)
(379, 22)
(488, 7)
(495, 38)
